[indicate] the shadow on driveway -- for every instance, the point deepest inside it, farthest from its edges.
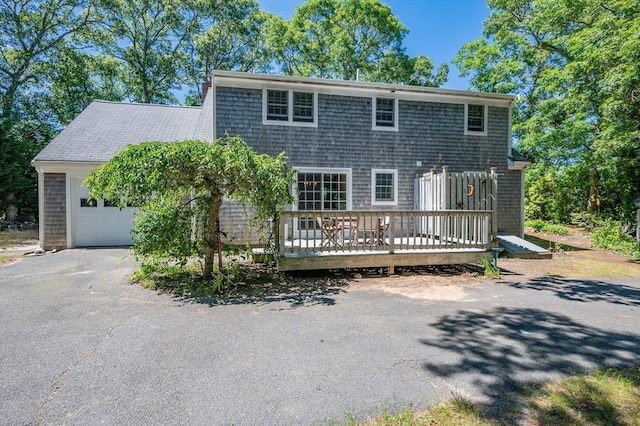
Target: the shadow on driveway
(504, 348)
(302, 292)
(583, 290)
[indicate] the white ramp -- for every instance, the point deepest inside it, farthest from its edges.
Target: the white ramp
(521, 248)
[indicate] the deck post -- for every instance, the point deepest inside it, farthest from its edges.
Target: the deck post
(279, 232)
(494, 209)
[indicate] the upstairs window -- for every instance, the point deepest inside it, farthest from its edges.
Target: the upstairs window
(277, 108)
(475, 119)
(303, 107)
(385, 114)
(290, 107)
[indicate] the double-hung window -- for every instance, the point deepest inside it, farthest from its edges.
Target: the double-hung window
(384, 187)
(475, 119)
(385, 114)
(277, 105)
(290, 107)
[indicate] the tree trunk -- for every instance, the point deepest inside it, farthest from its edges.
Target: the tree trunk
(11, 210)
(593, 203)
(211, 234)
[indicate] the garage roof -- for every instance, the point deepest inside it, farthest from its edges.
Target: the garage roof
(105, 127)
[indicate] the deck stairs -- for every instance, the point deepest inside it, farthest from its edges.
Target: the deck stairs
(520, 248)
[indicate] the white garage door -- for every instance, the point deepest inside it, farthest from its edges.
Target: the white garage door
(96, 222)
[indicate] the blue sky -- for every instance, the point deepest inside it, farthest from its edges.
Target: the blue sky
(437, 28)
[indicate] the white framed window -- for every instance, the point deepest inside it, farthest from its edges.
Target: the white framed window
(385, 114)
(289, 107)
(384, 187)
(321, 189)
(475, 119)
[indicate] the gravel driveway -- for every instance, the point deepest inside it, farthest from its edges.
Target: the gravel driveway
(79, 345)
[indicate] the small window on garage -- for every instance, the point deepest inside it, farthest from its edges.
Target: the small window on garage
(88, 202)
(110, 203)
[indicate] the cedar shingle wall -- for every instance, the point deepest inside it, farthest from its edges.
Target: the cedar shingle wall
(432, 133)
(235, 223)
(55, 211)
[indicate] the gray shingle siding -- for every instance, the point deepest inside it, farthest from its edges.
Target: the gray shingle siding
(55, 211)
(430, 132)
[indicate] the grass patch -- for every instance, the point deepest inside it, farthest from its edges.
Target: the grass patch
(604, 397)
(577, 265)
(608, 397)
(6, 259)
(456, 412)
(542, 226)
(11, 237)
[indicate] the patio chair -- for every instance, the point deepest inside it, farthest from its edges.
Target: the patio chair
(331, 234)
(378, 232)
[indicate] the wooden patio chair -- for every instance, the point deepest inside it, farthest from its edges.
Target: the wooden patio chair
(378, 232)
(330, 232)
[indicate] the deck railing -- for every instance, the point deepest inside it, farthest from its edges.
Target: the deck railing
(311, 232)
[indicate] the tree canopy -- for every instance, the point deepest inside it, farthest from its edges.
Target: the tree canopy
(181, 183)
(343, 38)
(576, 68)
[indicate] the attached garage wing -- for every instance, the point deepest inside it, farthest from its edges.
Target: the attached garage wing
(98, 222)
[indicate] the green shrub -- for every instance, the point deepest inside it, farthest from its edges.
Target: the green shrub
(608, 235)
(542, 226)
(536, 224)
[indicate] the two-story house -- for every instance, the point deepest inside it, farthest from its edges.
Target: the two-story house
(355, 145)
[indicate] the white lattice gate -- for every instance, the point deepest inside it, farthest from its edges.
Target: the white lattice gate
(457, 191)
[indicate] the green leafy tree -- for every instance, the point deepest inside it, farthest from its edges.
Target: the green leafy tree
(575, 66)
(31, 34)
(19, 143)
(77, 79)
(182, 183)
(148, 37)
(231, 37)
(341, 38)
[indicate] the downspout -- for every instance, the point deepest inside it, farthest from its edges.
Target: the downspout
(214, 108)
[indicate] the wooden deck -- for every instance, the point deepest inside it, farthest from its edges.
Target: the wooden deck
(357, 239)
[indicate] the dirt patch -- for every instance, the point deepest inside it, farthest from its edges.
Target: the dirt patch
(15, 245)
(573, 257)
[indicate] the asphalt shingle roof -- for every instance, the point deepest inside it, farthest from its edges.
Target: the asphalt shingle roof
(105, 127)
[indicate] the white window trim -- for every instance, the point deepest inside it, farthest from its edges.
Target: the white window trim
(466, 120)
(374, 107)
(289, 121)
(294, 187)
(394, 172)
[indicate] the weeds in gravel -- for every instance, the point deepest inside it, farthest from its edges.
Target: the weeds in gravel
(604, 397)
(490, 270)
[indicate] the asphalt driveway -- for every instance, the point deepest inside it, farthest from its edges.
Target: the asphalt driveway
(79, 345)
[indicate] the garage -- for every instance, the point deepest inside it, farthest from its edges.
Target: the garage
(98, 222)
